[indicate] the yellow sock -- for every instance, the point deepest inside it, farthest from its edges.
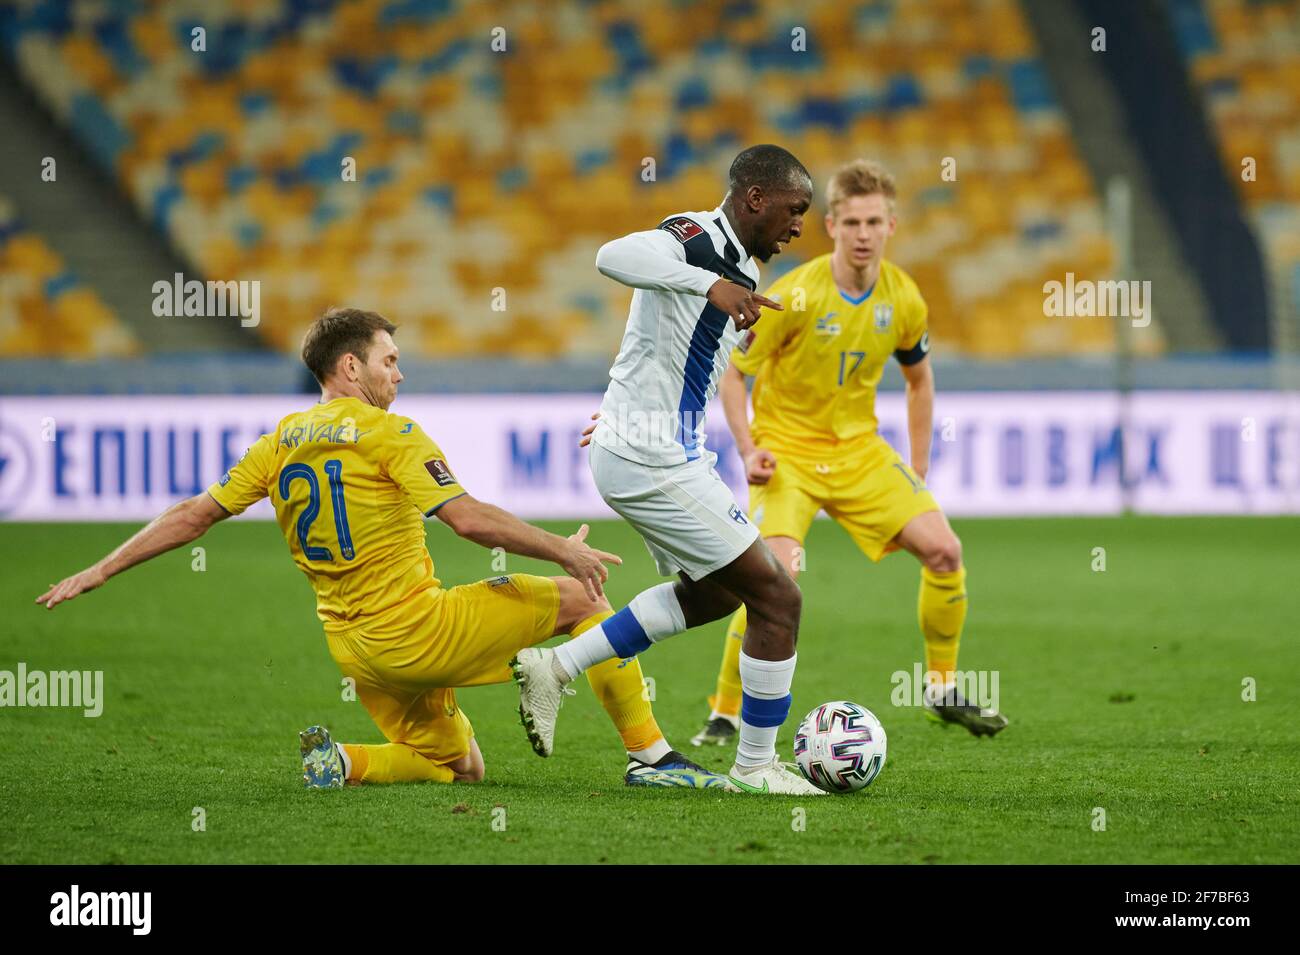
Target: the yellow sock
(358, 761)
(393, 763)
(942, 609)
(726, 700)
(620, 687)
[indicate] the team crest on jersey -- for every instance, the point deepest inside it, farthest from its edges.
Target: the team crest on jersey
(826, 327)
(884, 316)
(439, 471)
(683, 228)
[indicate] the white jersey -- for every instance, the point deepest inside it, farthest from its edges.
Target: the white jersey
(677, 343)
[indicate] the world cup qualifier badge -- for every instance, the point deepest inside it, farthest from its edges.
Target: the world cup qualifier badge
(682, 228)
(499, 581)
(439, 471)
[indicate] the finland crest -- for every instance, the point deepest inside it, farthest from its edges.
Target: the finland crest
(884, 316)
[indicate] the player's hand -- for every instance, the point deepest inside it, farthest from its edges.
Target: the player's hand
(921, 469)
(586, 432)
(739, 303)
(70, 587)
(587, 565)
(760, 464)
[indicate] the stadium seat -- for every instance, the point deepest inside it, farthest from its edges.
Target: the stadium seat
(237, 153)
(45, 310)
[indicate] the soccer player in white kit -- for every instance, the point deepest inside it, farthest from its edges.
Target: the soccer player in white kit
(694, 278)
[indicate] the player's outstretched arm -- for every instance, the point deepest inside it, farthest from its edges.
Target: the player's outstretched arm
(652, 260)
(490, 526)
(656, 261)
(181, 523)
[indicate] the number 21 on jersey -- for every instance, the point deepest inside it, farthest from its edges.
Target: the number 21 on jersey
(304, 472)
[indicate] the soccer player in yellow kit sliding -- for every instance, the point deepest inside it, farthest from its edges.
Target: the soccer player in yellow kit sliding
(813, 443)
(351, 485)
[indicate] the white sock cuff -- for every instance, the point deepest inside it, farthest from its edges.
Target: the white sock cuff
(766, 679)
(583, 651)
(658, 612)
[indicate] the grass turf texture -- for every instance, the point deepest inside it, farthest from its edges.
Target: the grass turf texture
(1124, 689)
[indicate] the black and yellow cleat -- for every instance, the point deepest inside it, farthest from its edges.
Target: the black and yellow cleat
(952, 707)
(718, 731)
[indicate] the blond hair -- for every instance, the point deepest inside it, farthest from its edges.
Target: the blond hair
(862, 177)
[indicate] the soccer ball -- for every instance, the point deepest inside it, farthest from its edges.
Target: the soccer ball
(840, 747)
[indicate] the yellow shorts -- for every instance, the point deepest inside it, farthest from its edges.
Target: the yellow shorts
(872, 494)
(407, 667)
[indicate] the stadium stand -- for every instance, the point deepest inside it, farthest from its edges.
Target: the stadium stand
(45, 310)
(1245, 59)
(481, 170)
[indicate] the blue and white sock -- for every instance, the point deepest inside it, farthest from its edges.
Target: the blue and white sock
(653, 615)
(764, 706)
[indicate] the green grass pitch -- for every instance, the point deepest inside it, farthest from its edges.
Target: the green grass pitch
(1124, 688)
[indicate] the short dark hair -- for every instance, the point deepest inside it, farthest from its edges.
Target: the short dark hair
(771, 167)
(340, 331)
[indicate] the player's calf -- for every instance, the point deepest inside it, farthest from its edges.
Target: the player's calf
(773, 602)
(470, 767)
(704, 601)
(773, 605)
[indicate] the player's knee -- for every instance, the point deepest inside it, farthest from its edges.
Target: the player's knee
(944, 556)
(791, 597)
(575, 605)
(779, 601)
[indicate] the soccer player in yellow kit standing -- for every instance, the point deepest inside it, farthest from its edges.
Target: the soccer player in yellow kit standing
(351, 485)
(813, 442)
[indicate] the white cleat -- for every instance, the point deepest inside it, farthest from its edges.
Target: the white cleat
(774, 779)
(541, 693)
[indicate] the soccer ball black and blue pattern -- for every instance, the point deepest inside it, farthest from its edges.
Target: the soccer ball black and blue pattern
(840, 747)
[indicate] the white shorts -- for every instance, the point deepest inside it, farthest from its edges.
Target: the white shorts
(686, 513)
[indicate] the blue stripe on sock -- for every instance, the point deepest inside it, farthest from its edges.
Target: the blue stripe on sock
(758, 712)
(625, 633)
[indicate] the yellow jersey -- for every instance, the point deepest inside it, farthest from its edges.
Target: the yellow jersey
(818, 362)
(351, 485)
